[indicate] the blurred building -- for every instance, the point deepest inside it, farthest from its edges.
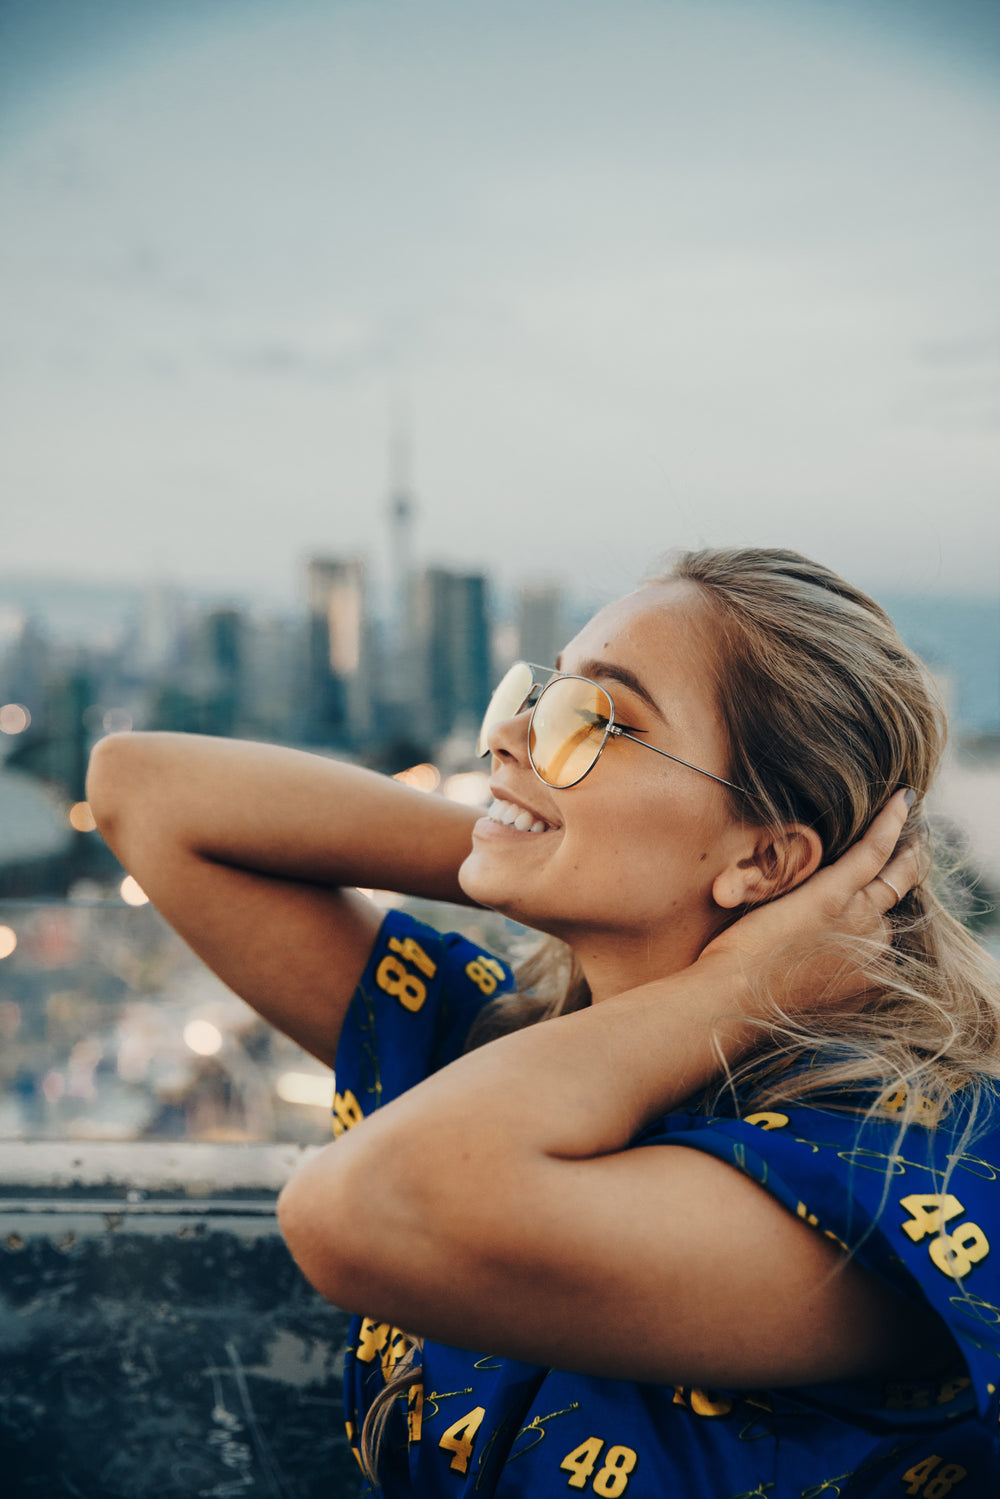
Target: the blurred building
(340, 691)
(197, 688)
(25, 662)
(451, 624)
(273, 677)
(157, 631)
(217, 667)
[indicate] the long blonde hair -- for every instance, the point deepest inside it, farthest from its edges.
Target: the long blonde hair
(827, 713)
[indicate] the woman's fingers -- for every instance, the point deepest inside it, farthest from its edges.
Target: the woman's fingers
(899, 869)
(875, 855)
(895, 881)
(884, 893)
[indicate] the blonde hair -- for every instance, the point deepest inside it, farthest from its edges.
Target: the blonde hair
(827, 714)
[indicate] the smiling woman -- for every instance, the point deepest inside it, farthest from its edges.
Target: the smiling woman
(705, 1209)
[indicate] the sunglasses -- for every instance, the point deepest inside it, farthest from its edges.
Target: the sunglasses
(571, 722)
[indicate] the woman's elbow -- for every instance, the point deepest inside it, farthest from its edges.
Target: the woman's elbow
(326, 1240)
(367, 1247)
(107, 780)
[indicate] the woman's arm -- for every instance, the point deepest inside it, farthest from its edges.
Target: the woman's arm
(511, 1217)
(252, 851)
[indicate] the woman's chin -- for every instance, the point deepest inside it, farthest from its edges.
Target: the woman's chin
(485, 884)
(482, 884)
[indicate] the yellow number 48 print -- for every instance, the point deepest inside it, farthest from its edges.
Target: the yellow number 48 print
(954, 1254)
(485, 973)
(395, 978)
(609, 1480)
(930, 1480)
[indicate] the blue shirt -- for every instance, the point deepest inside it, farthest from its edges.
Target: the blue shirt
(479, 1425)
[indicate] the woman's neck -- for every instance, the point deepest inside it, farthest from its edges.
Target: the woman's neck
(613, 962)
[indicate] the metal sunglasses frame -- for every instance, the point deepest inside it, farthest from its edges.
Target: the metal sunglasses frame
(612, 730)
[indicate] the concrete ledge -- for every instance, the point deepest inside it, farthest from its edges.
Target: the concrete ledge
(156, 1338)
(197, 1170)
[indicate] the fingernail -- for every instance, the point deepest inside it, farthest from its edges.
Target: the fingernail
(909, 796)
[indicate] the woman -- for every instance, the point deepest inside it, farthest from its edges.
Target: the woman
(721, 1225)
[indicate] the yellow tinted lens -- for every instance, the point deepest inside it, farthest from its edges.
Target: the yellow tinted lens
(507, 700)
(568, 729)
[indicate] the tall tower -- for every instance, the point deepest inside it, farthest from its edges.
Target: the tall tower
(400, 712)
(401, 514)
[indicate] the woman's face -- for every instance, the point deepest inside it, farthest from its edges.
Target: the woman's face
(625, 867)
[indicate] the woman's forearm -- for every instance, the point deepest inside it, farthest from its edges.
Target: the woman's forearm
(274, 811)
(518, 1111)
(251, 851)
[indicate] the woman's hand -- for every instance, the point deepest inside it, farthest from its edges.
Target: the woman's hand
(251, 851)
(805, 948)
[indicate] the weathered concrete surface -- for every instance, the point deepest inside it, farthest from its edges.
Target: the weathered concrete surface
(155, 1337)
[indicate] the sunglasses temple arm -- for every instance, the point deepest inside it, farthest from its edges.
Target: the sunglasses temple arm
(620, 733)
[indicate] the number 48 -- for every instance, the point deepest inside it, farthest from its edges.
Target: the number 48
(923, 1480)
(609, 1481)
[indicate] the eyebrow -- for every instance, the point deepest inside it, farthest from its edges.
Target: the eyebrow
(594, 668)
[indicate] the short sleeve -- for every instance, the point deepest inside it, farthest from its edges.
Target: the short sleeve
(921, 1212)
(411, 1013)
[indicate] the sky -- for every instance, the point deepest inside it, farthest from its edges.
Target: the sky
(628, 274)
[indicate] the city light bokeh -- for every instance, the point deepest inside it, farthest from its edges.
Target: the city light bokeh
(312, 1089)
(203, 1037)
(81, 819)
(132, 893)
(14, 718)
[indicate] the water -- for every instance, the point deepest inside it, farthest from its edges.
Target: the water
(962, 638)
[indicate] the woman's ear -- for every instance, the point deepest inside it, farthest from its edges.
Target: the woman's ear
(775, 864)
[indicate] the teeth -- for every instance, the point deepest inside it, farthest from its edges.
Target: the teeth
(512, 816)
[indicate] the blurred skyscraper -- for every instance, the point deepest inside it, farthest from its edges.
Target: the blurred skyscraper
(26, 660)
(339, 685)
(452, 628)
(272, 677)
(220, 645)
(158, 630)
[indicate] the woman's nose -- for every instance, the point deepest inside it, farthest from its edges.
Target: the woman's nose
(508, 739)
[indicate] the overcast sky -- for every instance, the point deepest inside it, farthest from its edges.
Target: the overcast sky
(644, 273)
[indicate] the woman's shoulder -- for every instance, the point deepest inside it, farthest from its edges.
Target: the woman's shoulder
(415, 1003)
(851, 1132)
(448, 958)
